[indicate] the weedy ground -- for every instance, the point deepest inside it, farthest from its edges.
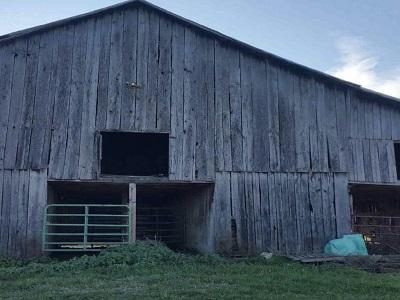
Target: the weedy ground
(149, 271)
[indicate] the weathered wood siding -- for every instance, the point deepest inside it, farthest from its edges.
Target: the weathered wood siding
(234, 117)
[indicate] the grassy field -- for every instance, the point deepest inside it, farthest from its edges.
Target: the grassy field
(153, 272)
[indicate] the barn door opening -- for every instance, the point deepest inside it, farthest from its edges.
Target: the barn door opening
(160, 215)
(376, 214)
(87, 217)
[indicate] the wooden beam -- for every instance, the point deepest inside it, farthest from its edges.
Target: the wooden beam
(132, 206)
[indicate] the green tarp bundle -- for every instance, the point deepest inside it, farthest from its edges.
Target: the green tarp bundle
(348, 245)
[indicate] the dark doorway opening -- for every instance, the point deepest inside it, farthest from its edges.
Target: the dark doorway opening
(134, 154)
(376, 214)
(85, 217)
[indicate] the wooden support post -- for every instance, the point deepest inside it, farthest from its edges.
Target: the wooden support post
(132, 206)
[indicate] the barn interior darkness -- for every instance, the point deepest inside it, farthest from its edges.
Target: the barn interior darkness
(376, 214)
(134, 154)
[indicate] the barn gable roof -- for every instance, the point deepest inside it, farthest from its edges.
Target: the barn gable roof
(205, 30)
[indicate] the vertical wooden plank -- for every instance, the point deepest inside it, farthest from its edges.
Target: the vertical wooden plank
(239, 213)
(5, 212)
(260, 116)
(376, 170)
(189, 125)
(142, 69)
(44, 98)
(367, 160)
(152, 71)
(322, 126)
(71, 164)
(292, 234)
(32, 60)
(115, 84)
(200, 108)
(369, 119)
(61, 105)
(310, 92)
(328, 212)
(391, 161)
(395, 119)
(177, 92)
(383, 161)
(226, 60)
(164, 76)
(317, 225)
(129, 72)
(249, 198)
(343, 126)
(229, 67)
(273, 116)
(132, 207)
(13, 214)
(258, 232)
(37, 202)
(104, 70)
(247, 111)
(16, 105)
(286, 120)
(302, 127)
(265, 212)
(210, 95)
(23, 197)
(87, 158)
(386, 121)
(274, 220)
(222, 213)
(6, 71)
(342, 205)
(377, 127)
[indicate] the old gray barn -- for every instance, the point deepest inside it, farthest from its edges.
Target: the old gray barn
(131, 122)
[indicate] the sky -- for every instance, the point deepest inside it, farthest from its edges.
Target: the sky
(356, 40)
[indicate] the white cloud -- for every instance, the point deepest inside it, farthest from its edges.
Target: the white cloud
(359, 66)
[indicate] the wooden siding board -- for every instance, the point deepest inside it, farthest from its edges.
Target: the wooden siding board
(13, 216)
(36, 205)
(104, 70)
(42, 104)
(164, 76)
(273, 116)
(129, 69)
(5, 212)
(152, 71)
(260, 135)
(342, 205)
(142, 69)
(16, 105)
(286, 120)
(237, 211)
(115, 84)
(177, 94)
(265, 213)
(302, 126)
(189, 106)
(71, 163)
(30, 82)
(224, 61)
(233, 70)
(222, 213)
(61, 105)
(87, 150)
(6, 70)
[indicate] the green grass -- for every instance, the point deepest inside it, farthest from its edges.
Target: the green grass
(146, 271)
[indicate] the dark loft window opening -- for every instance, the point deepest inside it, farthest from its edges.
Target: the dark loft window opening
(397, 156)
(134, 154)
